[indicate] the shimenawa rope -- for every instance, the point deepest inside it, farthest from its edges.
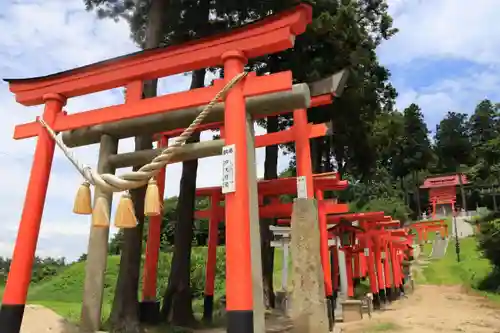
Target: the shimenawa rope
(130, 180)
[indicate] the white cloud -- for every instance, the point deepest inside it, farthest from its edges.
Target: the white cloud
(43, 37)
(434, 33)
(458, 29)
(458, 94)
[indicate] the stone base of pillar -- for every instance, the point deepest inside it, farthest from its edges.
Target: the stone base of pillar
(282, 301)
(351, 310)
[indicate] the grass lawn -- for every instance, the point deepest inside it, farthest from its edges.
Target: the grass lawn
(470, 271)
(63, 292)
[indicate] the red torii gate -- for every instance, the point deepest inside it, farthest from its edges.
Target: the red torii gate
(376, 234)
(384, 244)
(331, 274)
(274, 209)
(372, 236)
(298, 132)
(231, 50)
(425, 226)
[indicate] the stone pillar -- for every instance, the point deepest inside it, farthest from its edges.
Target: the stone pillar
(308, 312)
(257, 286)
(342, 270)
(97, 253)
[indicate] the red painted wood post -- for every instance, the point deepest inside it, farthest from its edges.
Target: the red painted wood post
(154, 240)
(335, 268)
(372, 276)
(211, 266)
(239, 294)
(303, 150)
(379, 268)
(357, 267)
(16, 289)
(387, 271)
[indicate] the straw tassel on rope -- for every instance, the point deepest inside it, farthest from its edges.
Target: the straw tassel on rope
(83, 201)
(152, 203)
(125, 213)
(100, 214)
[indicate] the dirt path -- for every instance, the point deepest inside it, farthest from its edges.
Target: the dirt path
(38, 319)
(434, 309)
(430, 309)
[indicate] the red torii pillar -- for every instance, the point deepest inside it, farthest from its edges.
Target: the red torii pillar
(153, 243)
(16, 289)
(211, 264)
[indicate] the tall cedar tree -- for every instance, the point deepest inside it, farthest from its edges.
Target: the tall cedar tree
(483, 129)
(416, 152)
(345, 34)
(452, 143)
(453, 146)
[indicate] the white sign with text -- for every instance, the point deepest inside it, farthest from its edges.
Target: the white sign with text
(228, 169)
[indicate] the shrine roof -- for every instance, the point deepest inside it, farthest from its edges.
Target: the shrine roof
(444, 181)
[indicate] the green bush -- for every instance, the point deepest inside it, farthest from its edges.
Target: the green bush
(391, 206)
(67, 286)
(489, 237)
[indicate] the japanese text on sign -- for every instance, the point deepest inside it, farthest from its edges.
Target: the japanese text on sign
(228, 166)
(301, 187)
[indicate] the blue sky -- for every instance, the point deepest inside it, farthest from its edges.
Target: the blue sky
(445, 57)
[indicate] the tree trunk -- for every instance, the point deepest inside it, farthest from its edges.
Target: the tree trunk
(177, 307)
(124, 316)
(403, 189)
(266, 235)
(417, 194)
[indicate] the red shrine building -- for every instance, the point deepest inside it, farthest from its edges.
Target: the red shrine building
(442, 192)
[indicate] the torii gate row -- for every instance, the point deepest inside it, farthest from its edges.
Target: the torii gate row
(424, 227)
(382, 253)
(330, 264)
(138, 116)
(353, 244)
(301, 130)
(274, 209)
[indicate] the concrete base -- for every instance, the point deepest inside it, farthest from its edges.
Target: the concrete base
(282, 301)
(351, 310)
